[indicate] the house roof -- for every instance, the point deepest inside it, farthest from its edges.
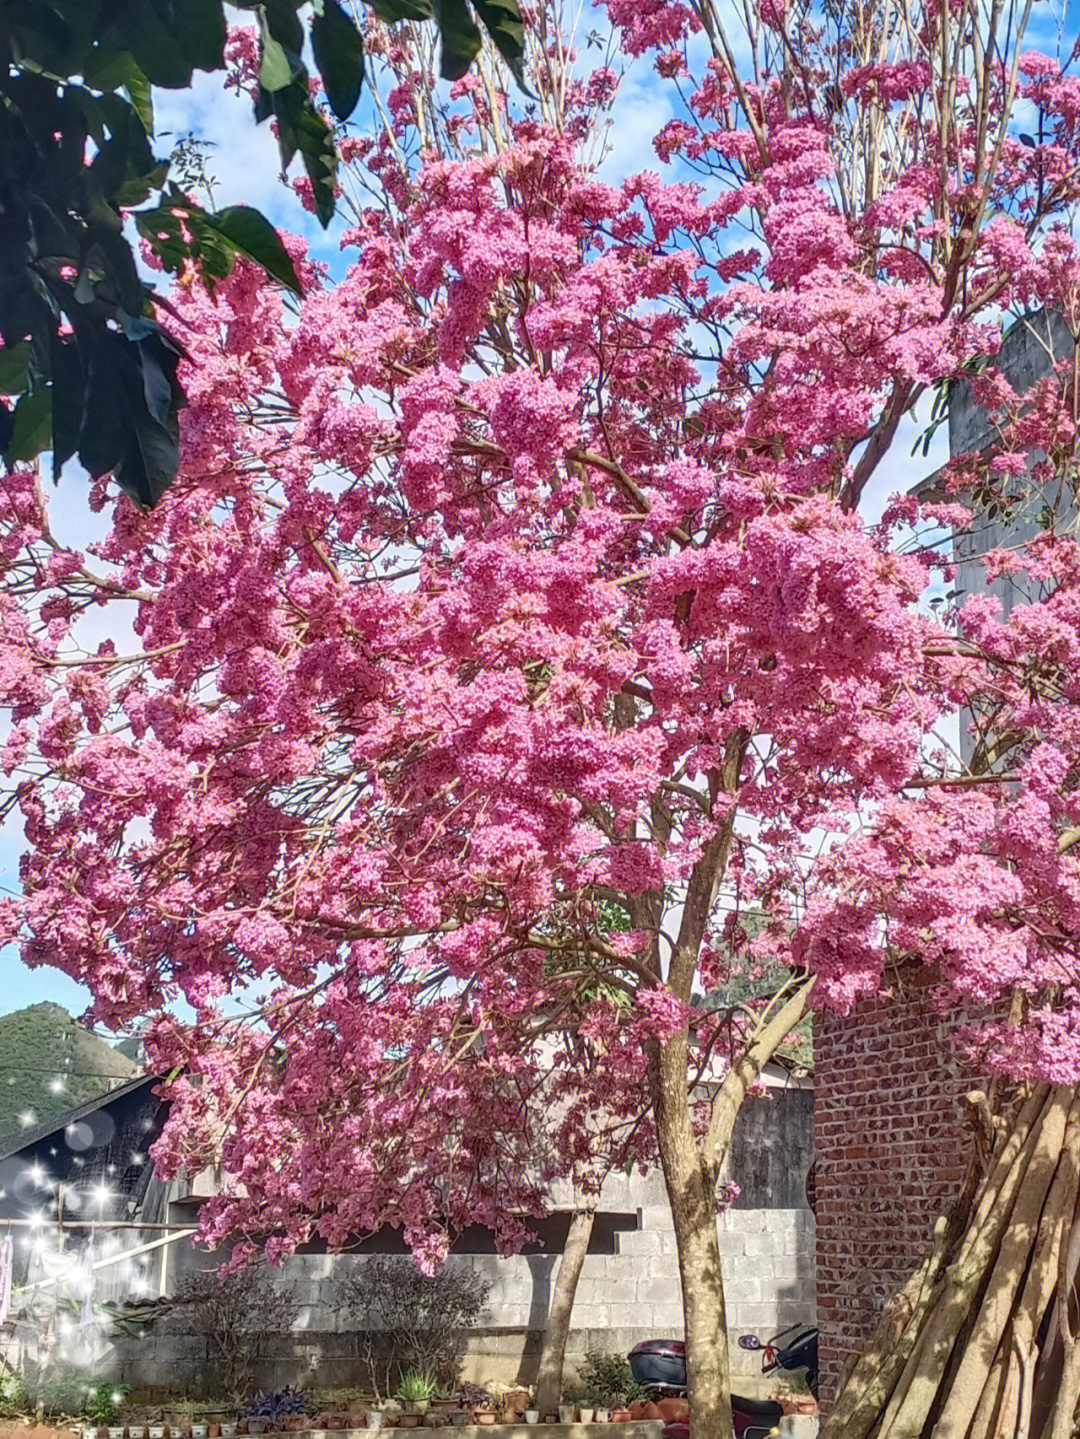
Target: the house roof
(57, 1126)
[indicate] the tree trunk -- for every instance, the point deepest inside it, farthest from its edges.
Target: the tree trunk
(708, 1369)
(549, 1381)
(691, 1190)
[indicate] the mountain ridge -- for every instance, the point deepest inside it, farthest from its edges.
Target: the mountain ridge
(49, 1065)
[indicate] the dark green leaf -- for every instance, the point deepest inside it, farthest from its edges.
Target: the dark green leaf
(32, 428)
(163, 231)
(301, 128)
(138, 89)
(69, 389)
(459, 35)
(502, 20)
(158, 363)
(14, 368)
(276, 69)
(251, 233)
(390, 11)
(339, 54)
(284, 23)
(150, 462)
(102, 434)
(108, 69)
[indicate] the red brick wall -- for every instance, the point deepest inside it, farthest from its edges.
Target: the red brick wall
(891, 1150)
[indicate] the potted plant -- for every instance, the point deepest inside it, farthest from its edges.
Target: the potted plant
(414, 1393)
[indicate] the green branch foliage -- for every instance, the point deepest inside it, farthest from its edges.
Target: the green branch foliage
(86, 368)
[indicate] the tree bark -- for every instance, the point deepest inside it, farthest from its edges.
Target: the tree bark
(691, 1188)
(549, 1381)
(708, 1372)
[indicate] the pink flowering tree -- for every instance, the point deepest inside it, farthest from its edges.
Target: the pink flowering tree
(512, 634)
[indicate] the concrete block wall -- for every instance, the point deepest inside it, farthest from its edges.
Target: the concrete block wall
(633, 1294)
(628, 1293)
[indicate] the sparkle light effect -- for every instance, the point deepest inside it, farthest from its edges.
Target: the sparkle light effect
(62, 1322)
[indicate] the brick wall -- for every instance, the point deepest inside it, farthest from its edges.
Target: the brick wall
(891, 1146)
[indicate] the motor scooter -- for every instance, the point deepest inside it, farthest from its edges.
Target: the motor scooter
(799, 1351)
(659, 1366)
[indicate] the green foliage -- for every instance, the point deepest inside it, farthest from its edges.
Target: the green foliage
(104, 1402)
(90, 370)
(605, 1381)
(14, 1395)
(50, 1065)
(416, 1386)
(70, 1392)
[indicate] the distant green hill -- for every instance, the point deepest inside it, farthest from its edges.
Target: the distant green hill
(50, 1064)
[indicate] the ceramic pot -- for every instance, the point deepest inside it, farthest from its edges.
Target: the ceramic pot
(603, 1416)
(532, 1416)
(198, 1431)
(566, 1414)
(586, 1415)
(484, 1416)
(410, 1421)
(621, 1416)
(375, 1419)
(551, 1419)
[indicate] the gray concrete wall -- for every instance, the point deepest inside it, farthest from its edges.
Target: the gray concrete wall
(767, 1247)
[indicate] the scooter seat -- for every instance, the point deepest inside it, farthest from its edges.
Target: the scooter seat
(758, 1408)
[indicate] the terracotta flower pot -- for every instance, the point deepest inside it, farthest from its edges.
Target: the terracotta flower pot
(621, 1416)
(484, 1416)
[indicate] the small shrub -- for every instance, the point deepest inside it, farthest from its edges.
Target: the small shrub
(276, 1404)
(606, 1380)
(104, 1401)
(237, 1315)
(407, 1320)
(471, 1396)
